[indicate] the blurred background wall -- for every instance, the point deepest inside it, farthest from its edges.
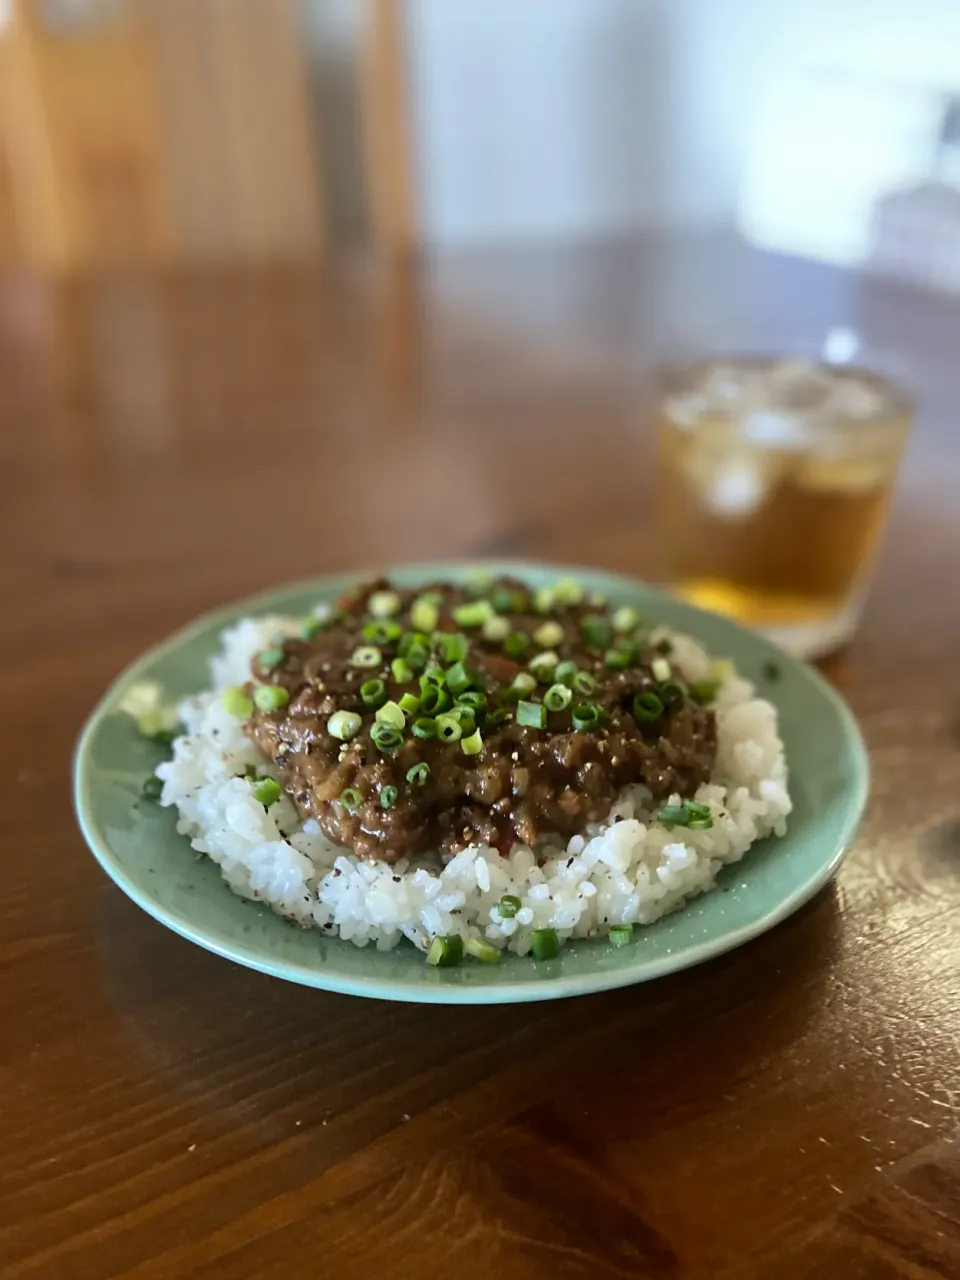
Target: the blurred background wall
(272, 130)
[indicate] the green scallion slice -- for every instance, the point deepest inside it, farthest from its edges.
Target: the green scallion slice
(620, 935)
(508, 906)
(549, 634)
(350, 799)
(445, 952)
(532, 714)
(344, 725)
(544, 944)
(558, 697)
(584, 682)
(424, 614)
(424, 727)
(567, 591)
(474, 699)
(704, 691)
(465, 718)
(647, 707)
(565, 671)
(434, 700)
(661, 669)
(418, 775)
(625, 618)
(478, 582)
(458, 678)
(700, 824)
(384, 631)
(401, 671)
(543, 599)
(270, 697)
(596, 630)
(673, 692)
(697, 810)
(367, 655)
(152, 788)
(266, 792)
(496, 715)
(309, 628)
(525, 682)
(451, 645)
(473, 745)
(388, 797)
(586, 716)
(617, 659)
(448, 728)
(373, 693)
(496, 630)
(483, 950)
(383, 604)
(390, 713)
(237, 703)
(473, 614)
(386, 737)
(409, 704)
(516, 646)
(676, 815)
(434, 674)
(268, 659)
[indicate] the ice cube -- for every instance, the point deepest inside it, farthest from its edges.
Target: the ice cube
(855, 398)
(737, 486)
(774, 430)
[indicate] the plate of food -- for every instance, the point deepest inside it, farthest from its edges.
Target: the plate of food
(469, 784)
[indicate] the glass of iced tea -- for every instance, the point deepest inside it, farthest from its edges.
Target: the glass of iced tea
(776, 475)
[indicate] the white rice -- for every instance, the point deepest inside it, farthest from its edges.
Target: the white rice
(631, 869)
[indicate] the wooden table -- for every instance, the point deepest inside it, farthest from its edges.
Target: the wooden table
(787, 1111)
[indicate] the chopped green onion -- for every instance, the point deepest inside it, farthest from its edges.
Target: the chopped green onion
(388, 797)
(704, 691)
(451, 644)
(596, 630)
(382, 632)
(586, 716)
(625, 619)
(617, 659)
(665, 647)
(508, 906)
(596, 600)
(543, 599)
(418, 775)
(344, 725)
(152, 788)
(309, 628)
(473, 614)
(401, 670)
(478, 581)
(496, 716)
(516, 645)
(267, 659)
(367, 655)
(266, 792)
(697, 810)
(584, 682)
(647, 707)
(544, 944)
(448, 728)
(390, 713)
(549, 634)
(722, 669)
(674, 814)
(483, 950)
(383, 604)
(237, 703)
(558, 697)
(458, 678)
(409, 703)
(565, 671)
(473, 699)
(473, 745)
(673, 692)
(543, 667)
(386, 737)
(505, 600)
(524, 682)
(424, 615)
(567, 591)
(417, 656)
(373, 693)
(434, 675)
(620, 935)
(350, 799)
(270, 697)
(465, 718)
(661, 669)
(425, 727)
(434, 700)
(495, 629)
(532, 714)
(700, 824)
(446, 952)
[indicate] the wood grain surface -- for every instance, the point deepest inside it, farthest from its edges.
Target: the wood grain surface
(169, 443)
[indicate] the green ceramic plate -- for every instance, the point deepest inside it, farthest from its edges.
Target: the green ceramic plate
(138, 846)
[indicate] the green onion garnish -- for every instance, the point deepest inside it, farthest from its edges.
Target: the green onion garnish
(483, 950)
(473, 614)
(496, 629)
(584, 682)
(388, 797)
(565, 671)
(446, 952)
(508, 906)
(434, 700)
(542, 672)
(496, 716)
(586, 716)
(704, 691)
(567, 591)
(543, 599)
(152, 788)
(452, 645)
(532, 714)
(473, 745)
(700, 824)
(617, 659)
(386, 737)
(270, 697)
(596, 630)
(383, 604)
(267, 659)
(558, 697)
(350, 799)
(418, 775)
(382, 632)
(549, 634)
(448, 728)
(433, 675)
(367, 655)
(674, 814)
(647, 707)
(465, 718)
(401, 671)
(516, 645)
(544, 944)
(625, 619)
(266, 792)
(424, 615)
(524, 682)
(409, 704)
(390, 713)
(425, 727)
(344, 725)
(673, 692)
(309, 628)
(505, 600)
(620, 935)
(697, 810)
(477, 582)
(458, 678)
(661, 669)
(236, 702)
(373, 693)
(474, 699)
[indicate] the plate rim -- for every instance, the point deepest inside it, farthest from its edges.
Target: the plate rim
(544, 987)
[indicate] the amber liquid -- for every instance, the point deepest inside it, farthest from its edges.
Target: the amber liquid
(777, 533)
